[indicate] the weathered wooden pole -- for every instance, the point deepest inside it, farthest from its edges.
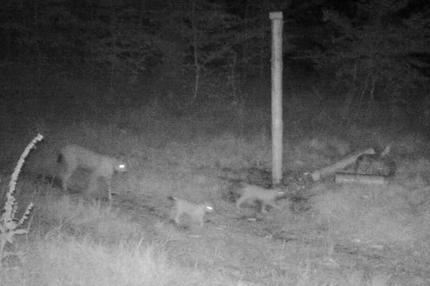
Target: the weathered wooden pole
(277, 124)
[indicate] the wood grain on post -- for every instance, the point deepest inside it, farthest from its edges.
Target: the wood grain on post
(277, 124)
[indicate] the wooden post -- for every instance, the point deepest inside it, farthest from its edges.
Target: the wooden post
(277, 124)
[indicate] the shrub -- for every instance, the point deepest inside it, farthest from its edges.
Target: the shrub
(9, 224)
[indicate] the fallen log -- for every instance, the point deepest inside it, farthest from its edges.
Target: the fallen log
(329, 170)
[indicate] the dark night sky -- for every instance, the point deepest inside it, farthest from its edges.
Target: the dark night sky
(153, 38)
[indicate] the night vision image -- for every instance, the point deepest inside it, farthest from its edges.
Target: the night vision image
(215, 142)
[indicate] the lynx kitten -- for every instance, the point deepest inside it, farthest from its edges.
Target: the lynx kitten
(195, 212)
(73, 157)
(266, 197)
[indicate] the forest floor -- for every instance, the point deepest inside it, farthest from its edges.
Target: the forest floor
(323, 233)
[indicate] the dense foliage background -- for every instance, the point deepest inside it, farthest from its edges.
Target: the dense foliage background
(357, 60)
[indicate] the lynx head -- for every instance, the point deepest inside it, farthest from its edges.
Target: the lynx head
(120, 163)
(280, 194)
(120, 166)
(208, 207)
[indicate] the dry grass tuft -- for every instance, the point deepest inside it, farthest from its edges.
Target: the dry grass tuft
(90, 219)
(70, 261)
(368, 214)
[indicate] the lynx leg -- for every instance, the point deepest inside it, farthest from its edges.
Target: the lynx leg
(201, 220)
(176, 219)
(272, 204)
(109, 194)
(240, 201)
(92, 185)
(174, 214)
(65, 179)
(275, 206)
(263, 208)
(109, 189)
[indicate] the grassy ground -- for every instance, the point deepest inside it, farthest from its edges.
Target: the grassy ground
(324, 234)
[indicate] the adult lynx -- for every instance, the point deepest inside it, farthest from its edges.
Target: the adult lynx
(73, 157)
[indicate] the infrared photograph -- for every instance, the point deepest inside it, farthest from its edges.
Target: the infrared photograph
(215, 142)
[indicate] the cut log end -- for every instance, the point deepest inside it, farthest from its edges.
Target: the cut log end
(342, 178)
